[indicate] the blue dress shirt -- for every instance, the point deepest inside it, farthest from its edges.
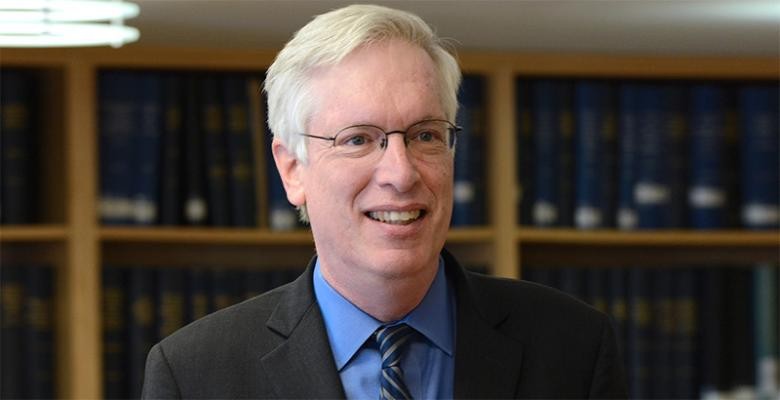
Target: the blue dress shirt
(428, 363)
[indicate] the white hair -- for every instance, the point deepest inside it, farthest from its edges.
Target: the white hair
(327, 40)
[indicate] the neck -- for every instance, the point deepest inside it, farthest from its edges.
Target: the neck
(386, 298)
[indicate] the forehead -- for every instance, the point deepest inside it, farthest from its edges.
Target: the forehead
(385, 84)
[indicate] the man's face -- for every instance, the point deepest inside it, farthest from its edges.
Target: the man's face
(390, 85)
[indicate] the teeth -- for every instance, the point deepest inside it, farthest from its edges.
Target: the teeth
(395, 217)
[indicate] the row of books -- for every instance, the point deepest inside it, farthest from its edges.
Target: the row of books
(648, 154)
(686, 332)
(26, 331)
(142, 305)
(193, 149)
(19, 136)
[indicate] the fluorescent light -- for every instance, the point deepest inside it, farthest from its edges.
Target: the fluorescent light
(60, 23)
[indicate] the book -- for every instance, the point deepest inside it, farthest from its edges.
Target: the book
(215, 151)
(170, 300)
(171, 152)
(685, 309)
(117, 122)
(115, 328)
(639, 333)
(676, 127)
(525, 152)
(241, 163)
(12, 297)
(38, 325)
(141, 330)
(661, 335)
(706, 163)
(468, 187)
(628, 146)
(712, 355)
(552, 125)
(766, 283)
(594, 154)
(19, 135)
(195, 204)
(759, 154)
(198, 299)
(145, 141)
(282, 216)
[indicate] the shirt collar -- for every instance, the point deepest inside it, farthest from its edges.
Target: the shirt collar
(349, 327)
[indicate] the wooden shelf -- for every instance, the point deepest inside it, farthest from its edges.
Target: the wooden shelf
(664, 238)
(232, 236)
(32, 233)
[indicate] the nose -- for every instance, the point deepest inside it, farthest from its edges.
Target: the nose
(396, 168)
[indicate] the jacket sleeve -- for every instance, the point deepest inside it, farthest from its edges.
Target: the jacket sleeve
(159, 382)
(609, 379)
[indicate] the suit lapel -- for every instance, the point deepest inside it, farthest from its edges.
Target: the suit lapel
(302, 366)
(487, 362)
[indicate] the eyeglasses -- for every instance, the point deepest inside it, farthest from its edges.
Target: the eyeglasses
(426, 139)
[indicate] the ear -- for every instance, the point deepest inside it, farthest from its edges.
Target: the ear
(290, 169)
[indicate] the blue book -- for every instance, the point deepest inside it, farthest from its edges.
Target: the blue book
(146, 150)
(39, 332)
(468, 190)
(198, 293)
(170, 300)
(760, 140)
(639, 333)
(676, 127)
(618, 307)
(18, 143)
(11, 328)
(115, 328)
(118, 119)
(740, 339)
(171, 143)
(552, 125)
(525, 152)
(685, 309)
(141, 330)
(594, 154)
(712, 328)
(195, 206)
(707, 187)
(628, 147)
(653, 186)
(241, 163)
(214, 150)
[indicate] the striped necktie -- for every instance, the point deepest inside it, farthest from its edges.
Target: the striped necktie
(391, 340)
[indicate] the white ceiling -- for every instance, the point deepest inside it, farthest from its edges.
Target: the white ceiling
(692, 27)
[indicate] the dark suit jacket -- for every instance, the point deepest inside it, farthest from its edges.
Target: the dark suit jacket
(514, 339)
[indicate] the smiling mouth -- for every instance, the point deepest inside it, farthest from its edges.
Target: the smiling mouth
(396, 217)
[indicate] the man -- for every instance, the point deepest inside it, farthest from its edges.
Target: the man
(361, 104)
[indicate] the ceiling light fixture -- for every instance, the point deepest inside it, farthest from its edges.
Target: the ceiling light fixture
(66, 23)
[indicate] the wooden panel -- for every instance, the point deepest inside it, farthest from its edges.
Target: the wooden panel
(37, 233)
(669, 238)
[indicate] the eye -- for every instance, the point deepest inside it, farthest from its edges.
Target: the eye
(354, 138)
(426, 136)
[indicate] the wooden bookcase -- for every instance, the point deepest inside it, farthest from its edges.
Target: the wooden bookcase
(72, 240)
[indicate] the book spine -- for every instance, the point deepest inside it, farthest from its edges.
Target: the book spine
(546, 149)
(766, 281)
(11, 326)
(146, 144)
(684, 337)
(227, 287)
(198, 293)
(171, 162)
(593, 154)
(18, 135)
(39, 332)
(282, 216)
(712, 357)
(639, 333)
(618, 308)
(469, 166)
(661, 333)
(525, 146)
(676, 126)
(117, 122)
(760, 141)
(115, 328)
(239, 150)
(707, 191)
(627, 217)
(195, 206)
(214, 141)
(142, 334)
(170, 300)
(652, 190)
(565, 124)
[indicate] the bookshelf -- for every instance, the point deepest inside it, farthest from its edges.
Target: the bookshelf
(71, 238)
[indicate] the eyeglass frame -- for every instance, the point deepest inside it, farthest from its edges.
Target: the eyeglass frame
(454, 129)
